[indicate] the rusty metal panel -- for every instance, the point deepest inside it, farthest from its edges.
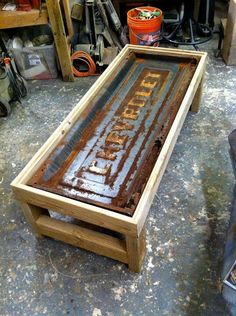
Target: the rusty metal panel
(108, 155)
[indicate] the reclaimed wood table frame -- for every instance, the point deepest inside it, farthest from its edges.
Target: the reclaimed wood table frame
(35, 202)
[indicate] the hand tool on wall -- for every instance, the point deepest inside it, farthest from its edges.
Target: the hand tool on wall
(103, 43)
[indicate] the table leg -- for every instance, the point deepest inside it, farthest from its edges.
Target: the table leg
(198, 97)
(32, 213)
(136, 248)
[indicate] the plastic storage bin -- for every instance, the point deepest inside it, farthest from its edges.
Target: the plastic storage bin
(36, 62)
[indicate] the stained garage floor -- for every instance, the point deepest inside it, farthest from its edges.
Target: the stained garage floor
(186, 229)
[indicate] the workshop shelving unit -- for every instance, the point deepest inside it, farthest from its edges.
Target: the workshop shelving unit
(62, 30)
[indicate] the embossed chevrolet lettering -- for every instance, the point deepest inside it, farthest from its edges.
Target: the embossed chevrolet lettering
(130, 113)
(108, 156)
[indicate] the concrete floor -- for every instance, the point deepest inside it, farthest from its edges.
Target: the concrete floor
(186, 229)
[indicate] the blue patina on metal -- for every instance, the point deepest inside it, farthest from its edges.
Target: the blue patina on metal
(108, 155)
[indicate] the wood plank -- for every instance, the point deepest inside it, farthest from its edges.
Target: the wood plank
(32, 213)
(56, 20)
(79, 210)
(229, 43)
(136, 249)
(9, 19)
(224, 23)
(99, 243)
(145, 202)
(66, 6)
(174, 52)
(198, 97)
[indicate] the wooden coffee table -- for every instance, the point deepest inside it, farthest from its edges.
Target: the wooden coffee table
(104, 163)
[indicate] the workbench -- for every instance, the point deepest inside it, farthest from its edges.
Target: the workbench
(50, 13)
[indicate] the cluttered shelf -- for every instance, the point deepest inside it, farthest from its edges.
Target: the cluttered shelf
(11, 19)
(51, 11)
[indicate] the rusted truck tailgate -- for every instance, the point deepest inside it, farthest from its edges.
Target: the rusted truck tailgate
(108, 155)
